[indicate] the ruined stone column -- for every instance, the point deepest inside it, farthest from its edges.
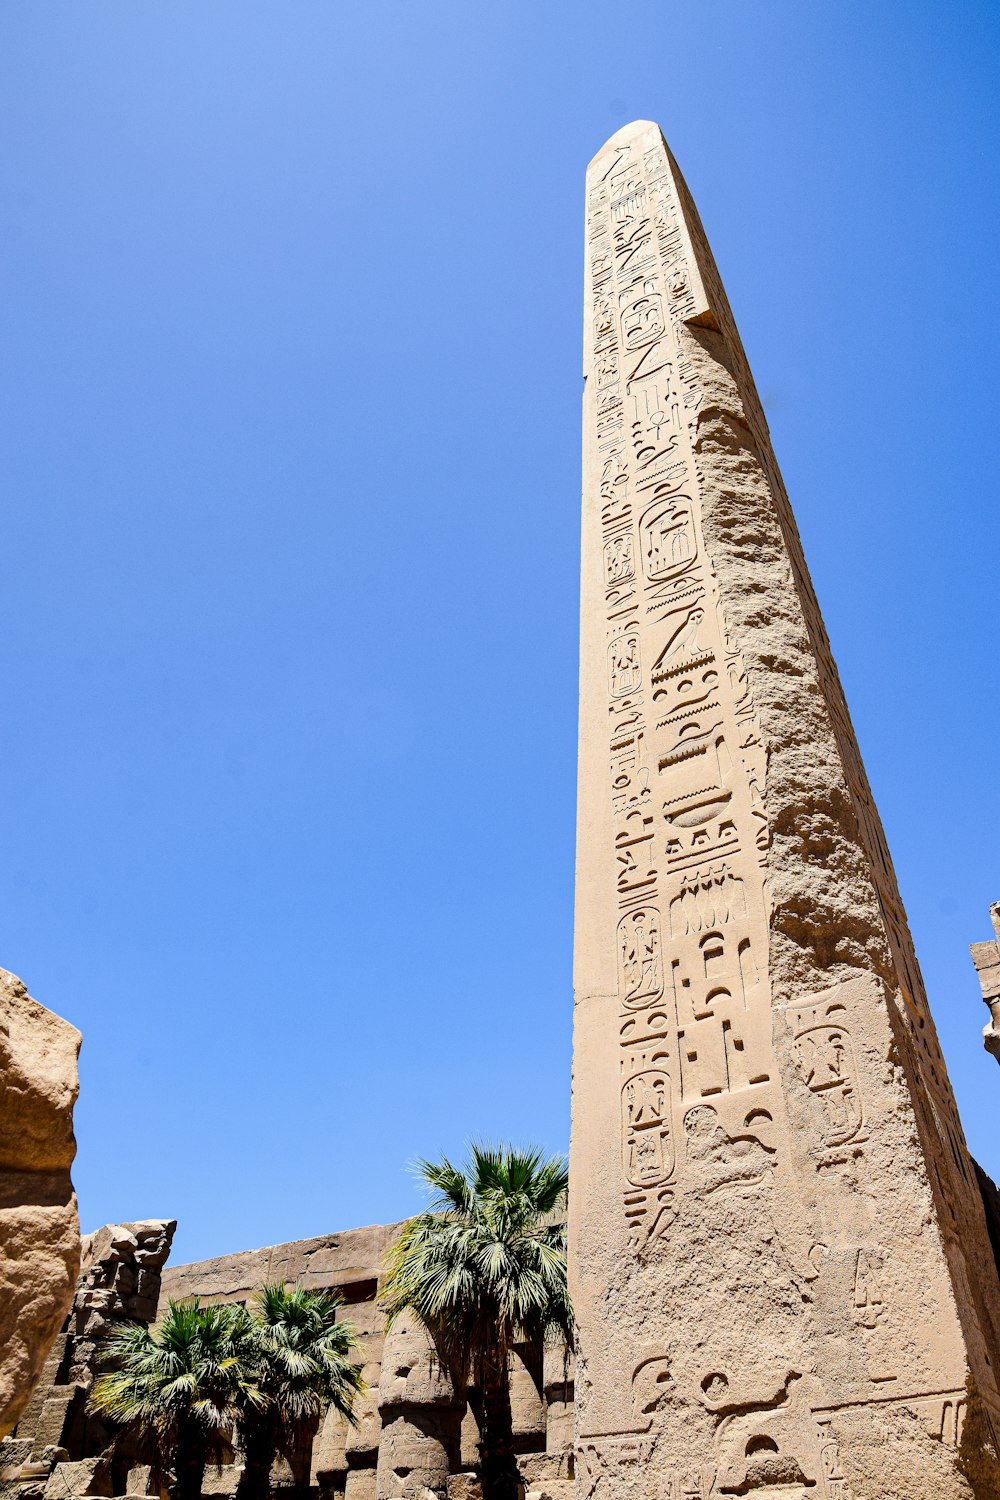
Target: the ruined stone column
(781, 1272)
(421, 1413)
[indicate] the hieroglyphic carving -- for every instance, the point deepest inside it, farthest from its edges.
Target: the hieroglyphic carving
(769, 1439)
(686, 786)
(869, 1305)
(739, 1111)
(825, 1055)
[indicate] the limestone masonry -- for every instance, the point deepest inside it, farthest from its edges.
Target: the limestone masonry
(781, 1270)
(39, 1229)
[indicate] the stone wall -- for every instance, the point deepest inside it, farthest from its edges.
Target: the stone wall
(412, 1438)
(57, 1448)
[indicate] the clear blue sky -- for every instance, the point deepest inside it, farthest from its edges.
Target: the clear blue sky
(290, 460)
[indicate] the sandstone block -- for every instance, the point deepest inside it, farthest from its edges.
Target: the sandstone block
(464, 1487)
(87, 1476)
(359, 1484)
(221, 1481)
(39, 1228)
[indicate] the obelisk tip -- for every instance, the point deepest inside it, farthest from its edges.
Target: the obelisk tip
(625, 136)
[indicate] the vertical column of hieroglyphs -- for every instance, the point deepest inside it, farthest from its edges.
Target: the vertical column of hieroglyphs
(746, 1318)
(934, 1101)
(873, 905)
(689, 833)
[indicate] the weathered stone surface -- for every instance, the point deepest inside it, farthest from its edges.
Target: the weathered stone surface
(348, 1259)
(87, 1476)
(986, 957)
(558, 1374)
(465, 1486)
(527, 1404)
(120, 1275)
(39, 1228)
(541, 1469)
(119, 1282)
(780, 1266)
(421, 1416)
(359, 1484)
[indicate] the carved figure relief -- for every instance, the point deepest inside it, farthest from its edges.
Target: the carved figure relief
(628, 196)
(825, 1057)
(868, 1304)
(642, 321)
(669, 546)
(634, 850)
(717, 1160)
(708, 898)
(624, 671)
(684, 644)
(618, 1454)
(646, 1127)
(618, 559)
(665, 1061)
(656, 441)
(614, 475)
(629, 770)
(633, 238)
(651, 1382)
(770, 1446)
(640, 957)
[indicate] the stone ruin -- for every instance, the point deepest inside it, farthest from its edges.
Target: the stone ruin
(986, 957)
(58, 1448)
(39, 1228)
(415, 1435)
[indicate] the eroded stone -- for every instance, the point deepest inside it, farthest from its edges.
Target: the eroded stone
(39, 1228)
(781, 1272)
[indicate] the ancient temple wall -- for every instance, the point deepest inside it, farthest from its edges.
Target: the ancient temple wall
(774, 1221)
(410, 1429)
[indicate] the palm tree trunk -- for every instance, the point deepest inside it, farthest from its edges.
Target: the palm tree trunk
(189, 1463)
(498, 1466)
(260, 1448)
(300, 1458)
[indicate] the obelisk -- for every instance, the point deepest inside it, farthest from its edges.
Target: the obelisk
(781, 1272)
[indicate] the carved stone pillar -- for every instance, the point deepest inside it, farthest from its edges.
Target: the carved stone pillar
(421, 1415)
(780, 1266)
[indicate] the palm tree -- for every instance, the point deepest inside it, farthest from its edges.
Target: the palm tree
(482, 1270)
(298, 1360)
(175, 1388)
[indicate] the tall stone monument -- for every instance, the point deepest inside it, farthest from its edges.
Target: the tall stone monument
(781, 1271)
